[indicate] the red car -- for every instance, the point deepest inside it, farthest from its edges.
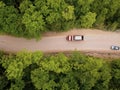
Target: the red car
(75, 38)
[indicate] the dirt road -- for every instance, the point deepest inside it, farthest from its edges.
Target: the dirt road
(95, 40)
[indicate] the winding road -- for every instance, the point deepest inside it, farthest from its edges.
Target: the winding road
(94, 40)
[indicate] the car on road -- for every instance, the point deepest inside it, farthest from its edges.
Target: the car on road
(115, 47)
(75, 38)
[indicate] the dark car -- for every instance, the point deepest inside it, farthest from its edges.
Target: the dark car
(75, 37)
(115, 47)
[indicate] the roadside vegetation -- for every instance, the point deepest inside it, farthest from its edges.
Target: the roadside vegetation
(36, 71)
(30, 18)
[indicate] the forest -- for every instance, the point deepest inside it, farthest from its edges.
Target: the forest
(30, 18)
(38, 71)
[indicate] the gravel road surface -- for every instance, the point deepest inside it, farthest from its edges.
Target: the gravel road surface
(94, 40)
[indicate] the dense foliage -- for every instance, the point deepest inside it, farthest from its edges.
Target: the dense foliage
(29, 18)
(35, 71)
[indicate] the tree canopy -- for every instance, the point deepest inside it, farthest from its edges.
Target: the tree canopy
(27, 70)
(30, 18)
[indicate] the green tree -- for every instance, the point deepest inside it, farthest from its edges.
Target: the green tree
(15, 66)
(32, 19)
(113, 7)
(56, 64)
(17, 85)
(104, 78)
(3, 82)
(41, 79)
(115, 71)
(3, 79)
(88, 20)
(100, 7)
(113, 15)
(9, 19)
(89, 71)
(82, 8)
(24, 5)
(27, 70)
(50, 70)
(118, 16)
(68, 13)
(68, 82)
(56, 13)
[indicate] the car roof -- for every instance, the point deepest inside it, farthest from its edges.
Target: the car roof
(78, 37)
